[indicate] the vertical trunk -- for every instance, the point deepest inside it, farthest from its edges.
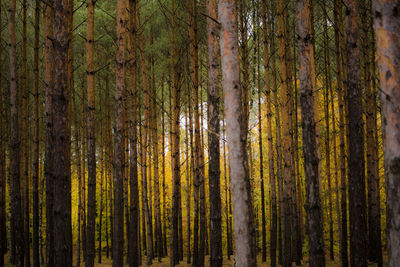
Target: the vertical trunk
(25, 136)
(145, 141)
(91, 137)
(198, 181)
(48, 20)
(188, 183)
(60, 98)
(15, 192)
(3, 235)
(79, 175)
(164, 189)
(374, 238)
(35, 165)
(110, 162)
(271, 161)
(227, 203)
(237, 135)
(214, 136)
(357, 211)
(83, 164)
(327, 85)
(313, 200)
(343, 248)
(101, 161)
(285, 99)
(174, 257)
(387, 40)
(134, 251)
(118, 232)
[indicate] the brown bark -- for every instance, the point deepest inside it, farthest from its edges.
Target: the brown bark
(48, 21)
(174, 257)
(271, 160)
(118, 224)
(3, 229)
(237, 136)
(35, 164)
(91, 137)
(60, 98)
(357, 199)
(15, 142)
(144, 142)
(214, 136)
(387, 21)
(134, 251)
(313, 200)
(343, 247)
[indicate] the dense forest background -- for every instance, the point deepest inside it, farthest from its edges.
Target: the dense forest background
(172, 132)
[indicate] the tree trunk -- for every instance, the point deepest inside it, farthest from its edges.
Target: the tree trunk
(3, 215)
(387, 33)
(313, 200)
(214, 136)
(35, 164)
(91, 137)
(357, 200)
(60, 98)
(343, 247)
(118, 232)
(237, 136)
(134, 251)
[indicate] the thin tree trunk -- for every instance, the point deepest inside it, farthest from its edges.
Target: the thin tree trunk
(237, 135)
(313, 200)
(101, 161)
(3, 215)
(188, 183)
(388, 55)
(214, 136)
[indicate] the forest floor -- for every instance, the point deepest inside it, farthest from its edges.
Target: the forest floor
(226, 262)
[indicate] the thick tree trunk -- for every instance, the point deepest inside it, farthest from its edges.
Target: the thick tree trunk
(3, 229)
(313, 200)
(357, 210)
(118, 178)
(386, 25)
(214, 136)
(237, 136)
(62, 175)
(91, 137)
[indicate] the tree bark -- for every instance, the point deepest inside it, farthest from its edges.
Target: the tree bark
(387, 21)
(313, 199)
(15, 143)
(237, 136)
(118, 178)
(91, 137)
(214, 136)
(357, 199)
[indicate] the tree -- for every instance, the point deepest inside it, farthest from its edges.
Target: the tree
(313, 199)
(357, 200)
(35, 165)
(3, 233)
(213, 136)
(17, 218)
(236, 133)
(118, 232)
(91, 137)
(388, 54)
